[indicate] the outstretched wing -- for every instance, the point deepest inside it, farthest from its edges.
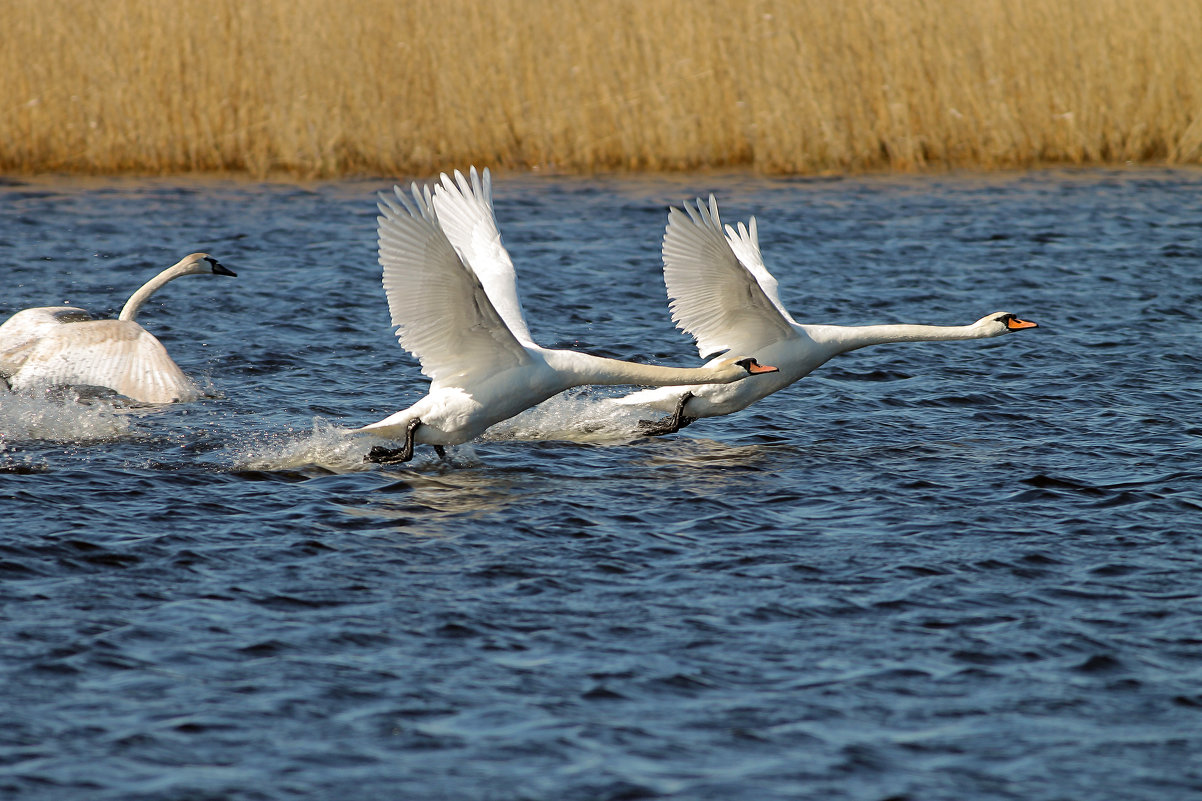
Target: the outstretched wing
(465, 212)
(117, 354)
(442, 313)
(745, 242)
(715, 285)
(20, 332)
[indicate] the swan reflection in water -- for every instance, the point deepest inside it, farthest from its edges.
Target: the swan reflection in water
(432, 498)
(423, 496)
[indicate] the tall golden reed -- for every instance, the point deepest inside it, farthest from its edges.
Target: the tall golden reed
(331, 87)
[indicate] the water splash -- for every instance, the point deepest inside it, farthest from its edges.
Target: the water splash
(325, 446)
(69, 416)
(579, 415)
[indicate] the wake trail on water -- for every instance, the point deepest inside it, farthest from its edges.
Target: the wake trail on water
(573, 416)
(79, 417)
(325, 446)
(577, 417)
(66, 417)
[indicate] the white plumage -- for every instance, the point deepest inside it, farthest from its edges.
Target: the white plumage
(721, 293)
(452, 294)
(63, 345)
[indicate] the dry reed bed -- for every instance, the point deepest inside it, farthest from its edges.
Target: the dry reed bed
(325, 88)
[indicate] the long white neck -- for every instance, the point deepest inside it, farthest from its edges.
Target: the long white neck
(589, 369)
(131, 307)
(845, 338)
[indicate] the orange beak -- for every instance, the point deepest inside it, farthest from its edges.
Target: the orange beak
(763, 368)
(1015, 324)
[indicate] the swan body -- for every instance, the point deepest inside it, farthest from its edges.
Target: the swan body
(57, 345)
(722, 294)
(452, 294)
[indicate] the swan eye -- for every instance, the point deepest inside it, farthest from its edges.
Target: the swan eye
(747, 363)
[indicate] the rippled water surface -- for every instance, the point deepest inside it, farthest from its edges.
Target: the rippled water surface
(927, 571)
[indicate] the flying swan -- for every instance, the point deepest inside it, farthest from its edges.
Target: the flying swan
(56, 345)
(721, 293)
(452, 294)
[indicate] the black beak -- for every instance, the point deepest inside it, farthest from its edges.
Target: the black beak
(221, 269)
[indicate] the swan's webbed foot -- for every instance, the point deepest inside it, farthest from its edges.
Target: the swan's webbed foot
(669, 425)
(382, 455)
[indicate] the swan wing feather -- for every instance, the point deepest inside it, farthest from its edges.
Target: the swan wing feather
(442, 313)
(713, 295)
(117, 354)
(20, 332)
(745, 243)
(465, 212)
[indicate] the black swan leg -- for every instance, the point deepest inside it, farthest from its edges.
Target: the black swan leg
(382, 455)
(669, 425)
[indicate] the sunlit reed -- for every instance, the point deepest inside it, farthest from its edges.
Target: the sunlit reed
(325, 88)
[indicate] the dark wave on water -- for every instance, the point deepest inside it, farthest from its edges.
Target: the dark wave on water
(935, 571)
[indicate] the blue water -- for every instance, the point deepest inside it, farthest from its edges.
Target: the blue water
(928, 571)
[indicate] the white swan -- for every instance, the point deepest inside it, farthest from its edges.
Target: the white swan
(722, 294)
(56, 345)
(452, 293)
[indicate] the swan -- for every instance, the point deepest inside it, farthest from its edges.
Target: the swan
(452, 293)
(721, 293)
(54, 345)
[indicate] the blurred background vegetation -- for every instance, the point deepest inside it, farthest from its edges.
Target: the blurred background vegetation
(326, 88)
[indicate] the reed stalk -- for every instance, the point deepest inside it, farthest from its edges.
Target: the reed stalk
(322, 88)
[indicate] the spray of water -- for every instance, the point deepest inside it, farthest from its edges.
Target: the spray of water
(575, 417)
(63, 416)
(578, 415)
